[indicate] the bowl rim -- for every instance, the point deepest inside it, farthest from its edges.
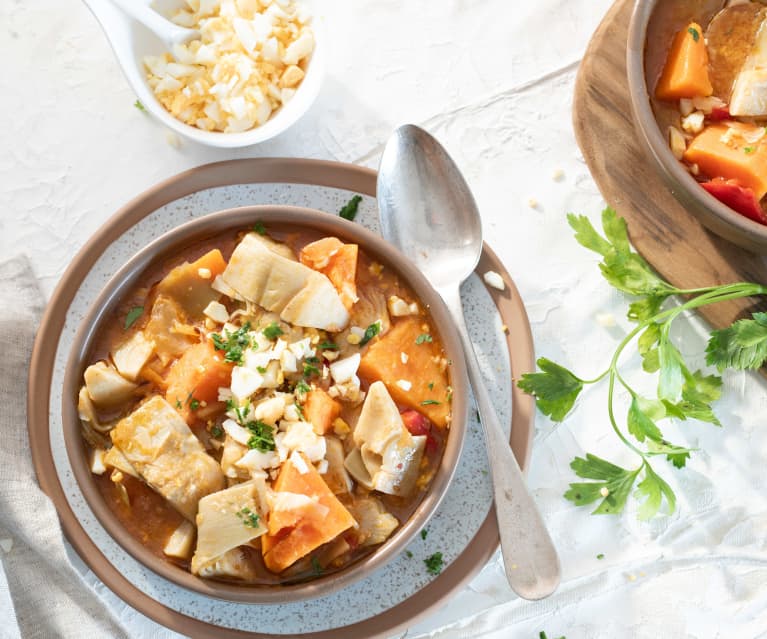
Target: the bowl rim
(110, 18)
(715, 215)
(212, 225)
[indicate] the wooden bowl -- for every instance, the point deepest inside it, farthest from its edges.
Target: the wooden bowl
(652, 27)
(164, 248)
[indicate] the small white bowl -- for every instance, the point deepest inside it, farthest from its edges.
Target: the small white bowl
(131, 41)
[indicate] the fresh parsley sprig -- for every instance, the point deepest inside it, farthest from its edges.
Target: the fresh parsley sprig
(682, 393)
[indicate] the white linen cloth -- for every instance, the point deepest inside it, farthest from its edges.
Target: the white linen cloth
(41, 593)
(493, 80)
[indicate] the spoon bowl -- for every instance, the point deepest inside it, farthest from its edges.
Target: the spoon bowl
(446, 248)
(428, 212)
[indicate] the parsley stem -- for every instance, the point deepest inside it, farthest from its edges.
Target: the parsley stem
(599, 378)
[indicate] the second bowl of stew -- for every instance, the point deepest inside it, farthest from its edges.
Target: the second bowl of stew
(265, 404)
(697, 72)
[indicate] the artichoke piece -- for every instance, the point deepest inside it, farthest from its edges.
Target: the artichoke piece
(161, 329)
(375, 523)
(390, 454)
(157, 442)
(180, 543)
(336, 476)
(114, 458)
(301, 296)
(131, 356)
(92, 429)
(106, 387)
(227, 519)
(233, 564)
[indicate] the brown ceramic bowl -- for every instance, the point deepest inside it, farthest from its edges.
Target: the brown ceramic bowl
(652, 27)
(164, 248)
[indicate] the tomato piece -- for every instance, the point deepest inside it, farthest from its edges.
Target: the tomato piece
(720, 113)
(418, 424)
(739, 198)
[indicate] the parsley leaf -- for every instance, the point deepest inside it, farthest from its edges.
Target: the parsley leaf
(430, 402)
(233, 344)
(614, 486)
(694, 33)
(262, 436)
(653, 489)
(328, 346)
(248, 517)
(259, 228)
(139, 105)
(624, 269)
(316, 567)
(424, 338)
(424, 533)
(273, 331)
(639, 423)
(370, 332)
(555, 388)
(742, 346)
(677, 455)
(349, 210)
(133, 315)
(434, 563)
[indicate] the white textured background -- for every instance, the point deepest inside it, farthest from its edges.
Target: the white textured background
(493, 80)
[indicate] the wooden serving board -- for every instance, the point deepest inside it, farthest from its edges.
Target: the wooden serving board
(664, 233)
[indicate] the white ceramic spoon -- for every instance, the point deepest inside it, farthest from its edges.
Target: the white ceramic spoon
(163, 28)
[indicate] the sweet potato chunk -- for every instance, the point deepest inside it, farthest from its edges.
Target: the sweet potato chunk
(189, 284)
(685, 74)
(195, 378)
(295, 532)
(421, 369)
(724, 151)
(338, 261)
(321, 409)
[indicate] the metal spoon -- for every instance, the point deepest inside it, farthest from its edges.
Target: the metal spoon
(429, 213)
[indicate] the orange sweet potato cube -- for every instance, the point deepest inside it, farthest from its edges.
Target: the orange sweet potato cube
(685, 74)
(296, 532)
(320, 409)
(195, 378)
(422, 368)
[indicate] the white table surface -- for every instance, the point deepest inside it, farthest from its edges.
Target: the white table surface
(493, 80)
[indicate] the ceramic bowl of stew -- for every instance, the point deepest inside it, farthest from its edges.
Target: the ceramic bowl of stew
(205, 429)
(693, 74)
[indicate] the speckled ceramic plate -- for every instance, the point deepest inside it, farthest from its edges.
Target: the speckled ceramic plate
(391, 598)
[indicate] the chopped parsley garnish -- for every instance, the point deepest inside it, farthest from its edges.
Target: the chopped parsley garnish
(749, 150)
(261, 436)
(179, 404)
(230, 405)
(316, 568)
(310, 369)
(424, 533)
(233, 344)
(694, 33)
(430, 402)
(431, 385)
(370, 332)
(349, 210)
(194, 404)
(273, 331)
(434, 563)
(542, 635)
(139, 105)
(302, 386)
(248, 517)
(299, 410)
(261, 369)
(329, 346)
(216, 431)
(424, 338)
(133, 315)
(259, 228)
(312, 359)
(600, 556)
(408, 554)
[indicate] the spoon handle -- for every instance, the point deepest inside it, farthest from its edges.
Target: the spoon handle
(163, 28)
(529, 557)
